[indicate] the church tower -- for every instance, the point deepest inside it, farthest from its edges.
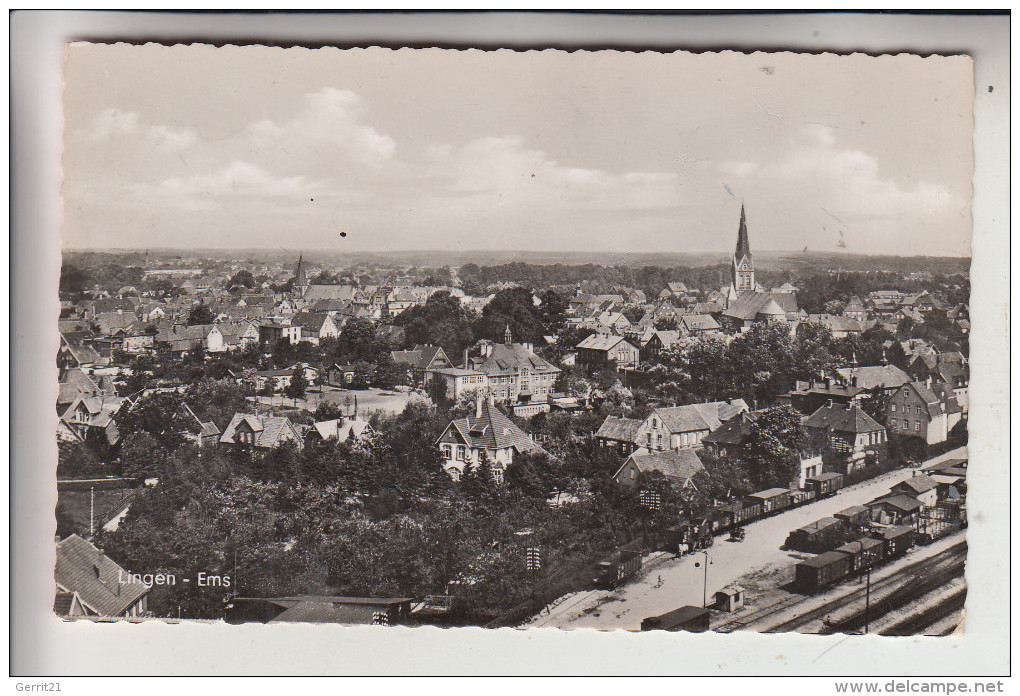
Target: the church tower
(300, 283)
(743, 265)
(300, 278)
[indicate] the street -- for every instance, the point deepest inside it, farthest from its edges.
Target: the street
(682, 581)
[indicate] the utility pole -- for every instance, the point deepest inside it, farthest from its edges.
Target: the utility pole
(867, 601)
(704, 598)
(92, 512)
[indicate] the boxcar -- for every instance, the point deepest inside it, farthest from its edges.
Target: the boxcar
(688, 618)
(722, 515)
(801, 496)
(825, 484)
(680, 533)
(897, 540)
(772, 500)
(863, 553)
(616, 569)
(821, 571)
(749, 512)
(818, 537)
(856, 515)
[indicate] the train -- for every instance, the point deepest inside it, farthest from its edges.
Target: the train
(772, 501)
(686, 536)
(819, 536)
(616, 569)
(687, 618)
(828, 568)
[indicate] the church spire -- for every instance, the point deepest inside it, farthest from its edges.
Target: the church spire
(300, 277)
(743, 245)
(742, 268)
(507, 336)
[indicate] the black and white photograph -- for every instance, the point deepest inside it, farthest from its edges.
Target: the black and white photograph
(442, 338)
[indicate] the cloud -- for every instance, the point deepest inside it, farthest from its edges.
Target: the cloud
(506, 170)
(324, 167)
(326, 136)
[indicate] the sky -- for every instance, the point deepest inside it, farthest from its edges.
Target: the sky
(285, 148)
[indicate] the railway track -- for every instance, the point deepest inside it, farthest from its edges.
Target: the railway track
(902, 591)
(914, 625)
(759, 615)
(563, 607)
(954, 556)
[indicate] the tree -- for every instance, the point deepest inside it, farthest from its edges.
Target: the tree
(163, 416)
(553, 310)
(298, 384)
(435, 388)
(771, 449)
(243, 278)
(442, 321)
(513, 307)
(201, 315)
(73, 280)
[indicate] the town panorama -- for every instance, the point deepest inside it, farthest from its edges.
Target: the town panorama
(762, 442)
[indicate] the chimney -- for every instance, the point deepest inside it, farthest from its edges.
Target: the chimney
(479, 400)
(853, 381)
(466, 359)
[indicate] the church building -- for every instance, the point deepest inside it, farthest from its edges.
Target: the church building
(747, 302)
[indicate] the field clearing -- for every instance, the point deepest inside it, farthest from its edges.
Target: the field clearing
(108, 505)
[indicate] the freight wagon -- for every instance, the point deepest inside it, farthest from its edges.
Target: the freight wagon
(863, 553)
(819, 536)
(855, 516)
(772, 500)
(897, 540)
(825, 484)
(821, 571)
(693, 619)
(618, 568)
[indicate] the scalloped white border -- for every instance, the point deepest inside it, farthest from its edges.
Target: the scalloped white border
(47, 645)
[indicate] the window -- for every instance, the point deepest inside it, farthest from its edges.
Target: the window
(447, 452)
(648, 436)
(658, 440)
(906, 424)
(461, 450)
(892, 424)
(655, 423)
(918, 410)
(917, 426)
(893, 407)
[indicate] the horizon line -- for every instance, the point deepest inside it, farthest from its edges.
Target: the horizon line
(298, 250)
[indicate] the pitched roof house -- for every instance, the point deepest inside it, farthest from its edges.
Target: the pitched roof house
(487, 435)
(89, 583)
(679, 467)
(680, 427)
(259, 431)
(342, 429)
(928, 410)
(606, 349)
(848, 428)
(885, 377)
(618, 433)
